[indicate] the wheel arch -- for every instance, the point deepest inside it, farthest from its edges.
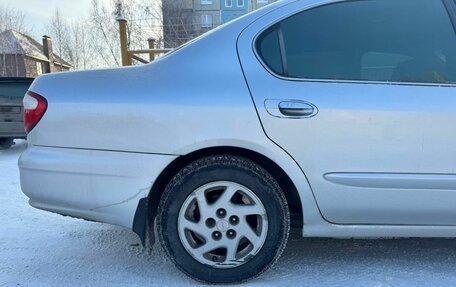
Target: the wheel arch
(147, 208)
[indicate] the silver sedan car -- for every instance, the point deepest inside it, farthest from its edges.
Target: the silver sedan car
(333, 117)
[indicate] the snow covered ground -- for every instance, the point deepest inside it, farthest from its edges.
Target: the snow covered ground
(44, 249)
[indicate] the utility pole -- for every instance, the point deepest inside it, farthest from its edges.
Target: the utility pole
(151, 42)
(126, 60)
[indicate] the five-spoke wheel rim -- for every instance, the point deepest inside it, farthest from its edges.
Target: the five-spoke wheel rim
(222, 224)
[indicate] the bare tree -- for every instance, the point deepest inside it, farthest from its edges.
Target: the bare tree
(94, 42)
(59, 31)
(81, 51)
(13, 19)
(105, 30)
(144, 21)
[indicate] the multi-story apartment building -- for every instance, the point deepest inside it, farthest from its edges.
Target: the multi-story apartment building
(184, 20)
(206, 15)
(232, 9)
(177, 22)
(257, 4)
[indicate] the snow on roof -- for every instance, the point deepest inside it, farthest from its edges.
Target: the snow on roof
(12, 42)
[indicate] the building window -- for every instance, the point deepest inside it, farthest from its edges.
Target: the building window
(228, 3)
(240, 3)
(262, 1)
(39, 68)
(206, 21)
(206, 2)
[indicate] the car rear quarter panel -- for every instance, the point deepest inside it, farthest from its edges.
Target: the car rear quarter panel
(196, 94)
(194, 98)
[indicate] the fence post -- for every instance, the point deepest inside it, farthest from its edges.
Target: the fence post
(151, 46)
(126, 60)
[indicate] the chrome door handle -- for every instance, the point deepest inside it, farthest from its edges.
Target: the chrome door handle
(296, 109)
(290, 108)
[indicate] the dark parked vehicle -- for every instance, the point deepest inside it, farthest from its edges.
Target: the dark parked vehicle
(12, 90)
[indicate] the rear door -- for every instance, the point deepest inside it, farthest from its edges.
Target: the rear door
(362, 95)
(11, 111)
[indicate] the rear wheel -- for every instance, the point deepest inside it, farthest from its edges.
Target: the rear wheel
(6, 143)
(223, 219)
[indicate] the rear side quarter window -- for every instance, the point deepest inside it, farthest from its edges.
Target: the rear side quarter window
(269, 46)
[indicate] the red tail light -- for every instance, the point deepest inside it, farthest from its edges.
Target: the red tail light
(34, 108)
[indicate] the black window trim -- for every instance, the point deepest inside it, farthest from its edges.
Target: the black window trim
(283, 51)
(449, 4)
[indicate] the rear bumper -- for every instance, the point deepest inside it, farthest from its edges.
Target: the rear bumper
(102, 186)
(12, 130)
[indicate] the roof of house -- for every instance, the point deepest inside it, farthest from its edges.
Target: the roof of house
(12, 42)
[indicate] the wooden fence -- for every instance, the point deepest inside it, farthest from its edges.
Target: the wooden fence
(129, 55)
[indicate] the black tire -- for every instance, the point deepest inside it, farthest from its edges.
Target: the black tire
(6, 143)
(224, 168)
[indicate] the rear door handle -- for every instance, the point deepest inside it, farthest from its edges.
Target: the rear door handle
(295, 109)
(290, 108)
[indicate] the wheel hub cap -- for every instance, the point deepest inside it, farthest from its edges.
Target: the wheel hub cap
(222, 224)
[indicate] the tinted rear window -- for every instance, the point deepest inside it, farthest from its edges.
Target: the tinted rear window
(14, 90)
